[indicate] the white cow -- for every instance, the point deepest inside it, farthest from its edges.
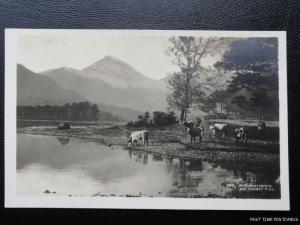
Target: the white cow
(138, 135)
(214, 127)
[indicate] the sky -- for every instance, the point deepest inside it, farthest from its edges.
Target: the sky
(147, 54)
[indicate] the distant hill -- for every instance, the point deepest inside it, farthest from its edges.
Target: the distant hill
(113, 82)
(34, 89)
(125, 113)
(121, 75)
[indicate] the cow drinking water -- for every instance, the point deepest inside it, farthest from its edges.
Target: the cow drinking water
(138, 135)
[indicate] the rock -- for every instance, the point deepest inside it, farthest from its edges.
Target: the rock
(63, 126)
(47, 191)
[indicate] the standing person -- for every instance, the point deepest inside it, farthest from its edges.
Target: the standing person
(261, 126)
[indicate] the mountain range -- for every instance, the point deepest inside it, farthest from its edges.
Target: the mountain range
(111, 83)
(35, 89)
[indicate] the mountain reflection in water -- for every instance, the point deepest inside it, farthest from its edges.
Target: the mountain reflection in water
(82, 168)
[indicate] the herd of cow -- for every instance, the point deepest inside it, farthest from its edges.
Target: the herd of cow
(195, 129)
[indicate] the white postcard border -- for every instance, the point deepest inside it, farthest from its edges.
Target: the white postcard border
(13, 200)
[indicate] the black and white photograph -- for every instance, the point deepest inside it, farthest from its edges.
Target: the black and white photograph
(146, 119)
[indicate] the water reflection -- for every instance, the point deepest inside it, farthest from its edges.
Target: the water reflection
(71, 166)
(138, 156)
(157, 157)
(198, 178)
(63, 141)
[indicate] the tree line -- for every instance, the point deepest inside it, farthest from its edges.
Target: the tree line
(158, 118)
(82, 111)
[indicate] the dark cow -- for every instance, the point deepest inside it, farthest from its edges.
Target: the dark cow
(189, 123)
(194, 131)
(240, 134)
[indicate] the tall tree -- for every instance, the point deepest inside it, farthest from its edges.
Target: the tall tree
(251, 54)
(177, 99)
(255, 62)
(188, 53)
(146, 117)
(94, 112)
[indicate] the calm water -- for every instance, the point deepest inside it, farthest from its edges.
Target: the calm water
(81, 168)
(52, 123)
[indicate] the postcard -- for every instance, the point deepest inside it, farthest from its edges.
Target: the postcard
(146, 119)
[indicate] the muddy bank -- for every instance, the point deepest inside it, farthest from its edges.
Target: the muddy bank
(118, 135)
(173, 141)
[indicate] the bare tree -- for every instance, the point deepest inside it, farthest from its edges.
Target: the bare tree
(188, 53)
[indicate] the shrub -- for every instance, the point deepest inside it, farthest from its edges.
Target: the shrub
(159, 118)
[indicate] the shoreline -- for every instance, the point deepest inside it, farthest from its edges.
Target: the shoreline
(172, 142)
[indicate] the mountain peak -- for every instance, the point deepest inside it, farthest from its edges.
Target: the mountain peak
(61, 70)
(111, 58)
(120, 74)
(108, 61)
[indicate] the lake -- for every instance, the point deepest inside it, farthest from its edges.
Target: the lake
(53, 123)
(48, 165)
